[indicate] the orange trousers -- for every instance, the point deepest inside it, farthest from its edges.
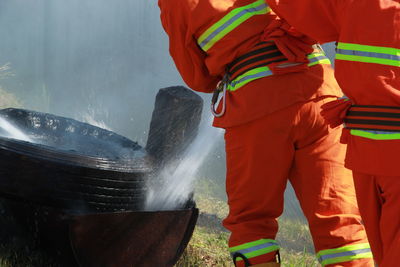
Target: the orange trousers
(292, 144)
(379, 201)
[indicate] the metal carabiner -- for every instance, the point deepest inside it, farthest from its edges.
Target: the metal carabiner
(221, 87)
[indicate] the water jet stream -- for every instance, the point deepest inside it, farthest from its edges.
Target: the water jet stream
(12, 131)
(175, 184)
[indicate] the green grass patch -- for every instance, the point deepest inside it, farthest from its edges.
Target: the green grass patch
(208, 246)
(24, 257)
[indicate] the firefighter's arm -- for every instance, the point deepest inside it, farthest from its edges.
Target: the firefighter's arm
(188, 57)
(317, 19)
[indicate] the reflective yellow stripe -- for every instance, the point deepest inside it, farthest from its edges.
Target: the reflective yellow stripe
(368, 54)
(255, 248)
(249, 76)
(262, 72)
(343, 254)
(375, 135)
(229, 22)
(369, 48)
(317, 58)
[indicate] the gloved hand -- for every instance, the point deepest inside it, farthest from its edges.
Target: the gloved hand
(293, 44)
(335, 111)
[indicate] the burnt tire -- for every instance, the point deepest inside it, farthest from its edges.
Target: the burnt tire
(69, 179)
(48, 184)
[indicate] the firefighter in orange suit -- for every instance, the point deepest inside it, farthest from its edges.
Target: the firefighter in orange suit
(273, 82)
(367, 68)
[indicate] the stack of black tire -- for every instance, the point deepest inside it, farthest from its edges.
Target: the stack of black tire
(74, 194)
(70, 165)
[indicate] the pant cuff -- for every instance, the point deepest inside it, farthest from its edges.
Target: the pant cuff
(259, 251)
(344, 254)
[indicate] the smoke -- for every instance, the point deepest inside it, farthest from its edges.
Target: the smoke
(92, 60)
(69, 55)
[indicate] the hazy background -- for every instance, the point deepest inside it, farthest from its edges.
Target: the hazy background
(94, 60)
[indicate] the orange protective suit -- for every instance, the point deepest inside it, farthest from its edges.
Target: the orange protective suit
(274, 131)
(367, 69)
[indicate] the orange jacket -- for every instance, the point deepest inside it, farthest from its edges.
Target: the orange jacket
(367, 23)
(367, 65)
(185, 21)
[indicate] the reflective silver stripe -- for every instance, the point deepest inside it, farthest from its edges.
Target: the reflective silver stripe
(379, 132)
(258, 247)
(367, 54)
(314, 59)
(249, 77)
(343, 254)
(262, 72)
(231, 21)
(376, 135)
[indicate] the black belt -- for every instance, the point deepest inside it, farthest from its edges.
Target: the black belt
(375, 118)
(264, 53)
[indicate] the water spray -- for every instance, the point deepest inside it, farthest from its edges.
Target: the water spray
(10, 131)
(175, 182)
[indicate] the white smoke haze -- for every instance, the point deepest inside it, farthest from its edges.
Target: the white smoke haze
(97, 61)
(5, 71)
(106, 55)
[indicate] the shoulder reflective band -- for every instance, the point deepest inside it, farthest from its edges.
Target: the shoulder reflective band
(255, 248)
(368, 54)
(261, 72)
(376, 135)
(230, 21)
(343, 254)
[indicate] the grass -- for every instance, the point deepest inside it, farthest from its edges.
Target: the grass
(208, 246)
(29, 258)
